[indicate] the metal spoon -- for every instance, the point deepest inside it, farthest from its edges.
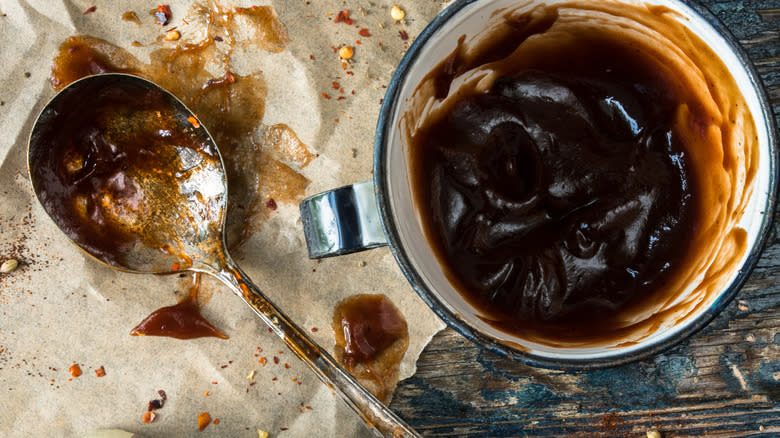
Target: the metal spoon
(133, 178)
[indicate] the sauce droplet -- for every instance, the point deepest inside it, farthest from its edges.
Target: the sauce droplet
(371, 339)
(180, 321)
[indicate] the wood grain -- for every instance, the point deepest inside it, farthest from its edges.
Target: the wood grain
(722, 382)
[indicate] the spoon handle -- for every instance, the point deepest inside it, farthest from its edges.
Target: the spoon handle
(376, 415)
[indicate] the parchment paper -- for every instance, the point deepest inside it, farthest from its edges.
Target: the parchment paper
(62, 308)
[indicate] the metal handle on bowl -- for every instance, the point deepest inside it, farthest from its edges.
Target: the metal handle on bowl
(342, 221)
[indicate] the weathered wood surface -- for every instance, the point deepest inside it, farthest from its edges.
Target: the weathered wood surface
(724, 381)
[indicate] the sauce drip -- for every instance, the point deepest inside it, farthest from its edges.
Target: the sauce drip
(371, 339)
(180, 321)
(564, 193)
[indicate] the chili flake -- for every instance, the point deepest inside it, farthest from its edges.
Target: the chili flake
(203, 420)
(75, 370)
(163, 14)
(90, 10)
(343, 16)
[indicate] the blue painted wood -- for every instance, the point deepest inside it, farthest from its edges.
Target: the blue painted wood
(724, 381)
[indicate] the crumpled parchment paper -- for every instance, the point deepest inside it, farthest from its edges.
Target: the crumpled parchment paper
(61, 308)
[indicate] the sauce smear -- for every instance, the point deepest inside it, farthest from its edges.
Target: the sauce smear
(180, 321)
(371, 339)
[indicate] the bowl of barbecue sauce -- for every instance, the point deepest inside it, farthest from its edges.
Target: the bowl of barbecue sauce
(575, 183)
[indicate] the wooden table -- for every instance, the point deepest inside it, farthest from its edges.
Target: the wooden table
(724, 381)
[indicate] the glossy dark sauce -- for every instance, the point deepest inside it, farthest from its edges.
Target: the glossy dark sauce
(109, 164)
(181, 321)
(563, 194)
(232, 106)
(371, 340)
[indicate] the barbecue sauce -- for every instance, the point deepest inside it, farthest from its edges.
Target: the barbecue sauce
(230, 105)
(371, 339)
(552, 163)
(181, 321)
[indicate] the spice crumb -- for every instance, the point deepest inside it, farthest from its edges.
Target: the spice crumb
(397, 13)
(148, 417)
(404, 35)
(270, 204)
(343, 17)
(75, 370)
(346, 52)
(203, 420)
(100, 372)
(154, 405)
(163, 14)
(9, 266)
(172, 35)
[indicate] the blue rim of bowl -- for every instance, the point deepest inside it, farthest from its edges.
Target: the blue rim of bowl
(436, 303)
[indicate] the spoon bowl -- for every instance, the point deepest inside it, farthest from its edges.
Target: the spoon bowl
(132, 177)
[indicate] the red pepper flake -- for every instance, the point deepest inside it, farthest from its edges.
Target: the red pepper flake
(90, 10)
(311, 57)
(75, 370)
(335, 85)
(364, 32)
(270, 204)
(163, 14)
(193, 121)
(203, 420)
(283, 428)
(276, 360)
(286, 365)
(341, 98)
(216, 421)
(343, 16)
(404, 35)
(100, 372)
(314, 329)
(163, 395)
(175, 266)
(148, 417)
(218, 39)
(154, 405)
(326, 96)
(262, 361)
